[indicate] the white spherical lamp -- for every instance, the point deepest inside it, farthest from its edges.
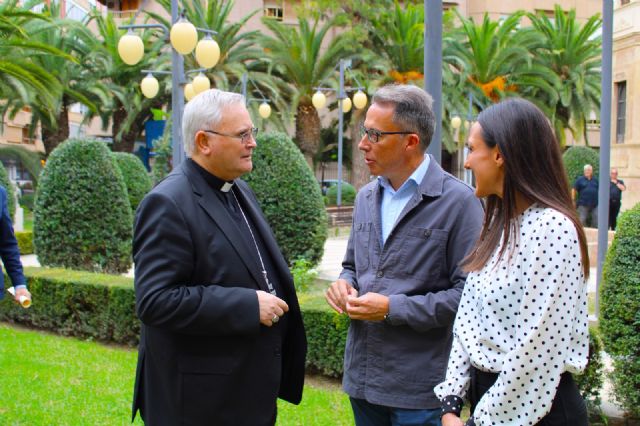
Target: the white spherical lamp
(201, 83)
(319, 100)
(346, 105)
(456, 122)
(130, 48)
(183, 36)
(189, 93)
(149, 86)
(207, 52)
(360, 99)
(264, 110)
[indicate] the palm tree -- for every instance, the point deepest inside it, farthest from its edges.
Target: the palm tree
(296, 55)
(572, 52)
(76, 78)
(20, 78)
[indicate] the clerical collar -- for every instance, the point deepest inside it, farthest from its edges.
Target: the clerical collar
(213, 181)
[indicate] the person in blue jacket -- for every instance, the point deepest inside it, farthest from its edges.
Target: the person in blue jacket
(10, 253)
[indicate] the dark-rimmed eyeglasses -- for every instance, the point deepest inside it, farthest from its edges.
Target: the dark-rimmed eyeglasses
(374, 135)
(244, 137)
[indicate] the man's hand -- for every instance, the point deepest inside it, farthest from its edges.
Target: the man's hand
(270, 307)
(19, 293)
(451, 419)
(368, 307)
(337, 294)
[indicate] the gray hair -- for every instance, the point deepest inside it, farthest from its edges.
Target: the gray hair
(413, 109)
(205, 111)
(587, 166)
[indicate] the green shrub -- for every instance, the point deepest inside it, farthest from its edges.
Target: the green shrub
(161, 165)
(576, 157)
(590, 381)
(82, 217)
(102, 307)
(620, 309)
(348, 195)
(289, 196)
(27, 200)
(11, 192)
(25, 242)
(135, 176)
(303, 274)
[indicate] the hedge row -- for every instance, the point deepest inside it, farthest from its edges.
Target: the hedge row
(25, 242)
(102, 307)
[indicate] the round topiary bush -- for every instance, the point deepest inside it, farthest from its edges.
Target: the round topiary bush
(11, 194)
(347, 197)
(290, 197)
(136, 178)
(576, 157)
(82, 217)
(620, 309)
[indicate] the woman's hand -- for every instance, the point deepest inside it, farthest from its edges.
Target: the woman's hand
(451, 419)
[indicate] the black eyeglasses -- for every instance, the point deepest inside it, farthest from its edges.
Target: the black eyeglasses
(374, 135)
(244, 137)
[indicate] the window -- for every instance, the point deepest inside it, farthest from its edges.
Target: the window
(621, 103)
(274, 12)
(26, 137)
(623, 2)
(75, 12)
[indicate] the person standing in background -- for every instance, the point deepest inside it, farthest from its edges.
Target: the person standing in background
(586, 190)
(616, 188)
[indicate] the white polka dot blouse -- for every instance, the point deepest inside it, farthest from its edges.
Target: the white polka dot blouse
(523, 316)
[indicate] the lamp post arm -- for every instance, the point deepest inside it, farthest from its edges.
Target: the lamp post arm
(139, 26)
(156, 72)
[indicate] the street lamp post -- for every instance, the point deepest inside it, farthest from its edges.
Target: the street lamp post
(184, 38)
(264, 110)
(344, 105)
(456, 123)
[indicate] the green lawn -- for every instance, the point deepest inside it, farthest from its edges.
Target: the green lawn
(52, 380)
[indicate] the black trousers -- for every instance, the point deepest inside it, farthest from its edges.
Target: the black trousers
(614, 209)
(568, 408)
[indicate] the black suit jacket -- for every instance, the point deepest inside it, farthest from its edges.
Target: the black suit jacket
(204, 358)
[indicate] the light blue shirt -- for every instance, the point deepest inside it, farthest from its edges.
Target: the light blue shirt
(393, 202)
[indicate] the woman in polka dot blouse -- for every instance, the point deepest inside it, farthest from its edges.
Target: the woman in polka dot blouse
(521, 327)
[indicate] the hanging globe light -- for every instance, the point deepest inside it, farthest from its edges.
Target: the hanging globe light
(264, 110)
(130, 48)
(319, 100)
(346, 105)
(456, 122)
(183, 36)
(207, 52)
(360, 99)
(201, 83)
(149, 86)
(189, 93)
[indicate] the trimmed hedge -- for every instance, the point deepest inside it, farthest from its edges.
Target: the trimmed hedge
(290, 197)
(136, 178)
(348, 194)
(25, 242)
(620, 316)
(576, 157)
(11, 192)
(82, 217)
(102, 307)
(590, 382)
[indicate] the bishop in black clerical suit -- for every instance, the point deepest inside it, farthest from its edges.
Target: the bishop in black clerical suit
(222, 335)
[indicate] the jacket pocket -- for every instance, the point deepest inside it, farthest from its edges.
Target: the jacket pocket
(423, 252)
(361, 244)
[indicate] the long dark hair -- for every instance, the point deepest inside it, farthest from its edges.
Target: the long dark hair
(532, 166)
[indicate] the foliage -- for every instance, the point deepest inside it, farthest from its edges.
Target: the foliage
(591, 380)
(11, 192)
(573, 52)
(620, 309)
(162, 151)
(326, 339)
(289, 196)
(82, 217)
(84, 382)
(30, 160)
(136, 178)
(303, 273)
(25, 242)
(27, 200)
(348, 194)
(576, 157)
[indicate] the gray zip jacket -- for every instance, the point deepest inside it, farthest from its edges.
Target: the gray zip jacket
(398, 362)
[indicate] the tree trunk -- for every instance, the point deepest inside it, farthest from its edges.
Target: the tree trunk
(359, 171)
(307, 130)
(52, 137)
(127, 140)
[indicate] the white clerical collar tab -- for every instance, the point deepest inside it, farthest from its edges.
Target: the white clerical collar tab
(226, 187)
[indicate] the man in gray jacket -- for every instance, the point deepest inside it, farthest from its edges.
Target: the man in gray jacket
(401, 280)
